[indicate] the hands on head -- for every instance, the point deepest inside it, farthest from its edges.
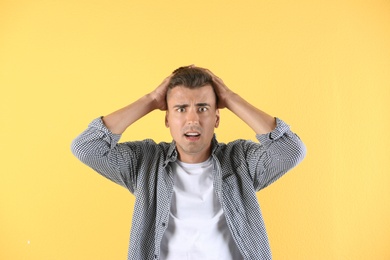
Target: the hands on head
(258, 120)
(221, 90)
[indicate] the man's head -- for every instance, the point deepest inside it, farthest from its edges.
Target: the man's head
(192, 78)
(192, 113)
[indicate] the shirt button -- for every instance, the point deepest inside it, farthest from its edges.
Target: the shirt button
(163, 224)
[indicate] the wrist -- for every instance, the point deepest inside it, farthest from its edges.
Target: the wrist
(156, 100)
(229, 98)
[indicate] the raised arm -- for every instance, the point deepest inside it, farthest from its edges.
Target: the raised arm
(118, 121)
(258, 120)
(281, 149)
(98, 146)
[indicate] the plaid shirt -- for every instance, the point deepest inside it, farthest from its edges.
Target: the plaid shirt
(241, 168)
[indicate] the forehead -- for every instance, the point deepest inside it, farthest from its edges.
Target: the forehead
(185, 94)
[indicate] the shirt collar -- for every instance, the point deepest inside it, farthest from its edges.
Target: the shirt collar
(172, 151)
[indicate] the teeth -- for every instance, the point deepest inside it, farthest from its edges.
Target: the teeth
(192, 134)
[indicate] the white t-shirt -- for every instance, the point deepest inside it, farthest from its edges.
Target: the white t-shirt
(197, 228)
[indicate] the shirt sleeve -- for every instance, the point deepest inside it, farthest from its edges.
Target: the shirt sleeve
(98, 148)
(281, 150)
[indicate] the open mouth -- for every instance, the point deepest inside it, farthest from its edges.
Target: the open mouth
(192, 136)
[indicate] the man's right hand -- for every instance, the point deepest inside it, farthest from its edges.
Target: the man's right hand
(159, 94)
(119, 120)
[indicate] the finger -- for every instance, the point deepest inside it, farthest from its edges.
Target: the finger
(215, 77)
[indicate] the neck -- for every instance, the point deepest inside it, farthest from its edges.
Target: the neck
(193, 158)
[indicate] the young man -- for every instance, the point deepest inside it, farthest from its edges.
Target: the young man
(195, 197)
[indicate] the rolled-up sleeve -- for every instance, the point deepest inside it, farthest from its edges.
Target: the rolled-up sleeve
(281, 151)
(98, 148)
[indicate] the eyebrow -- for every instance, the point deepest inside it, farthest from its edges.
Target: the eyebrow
(197, 104)
(203, 105)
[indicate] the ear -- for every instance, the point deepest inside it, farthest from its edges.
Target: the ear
(166, 119)
(217, 118)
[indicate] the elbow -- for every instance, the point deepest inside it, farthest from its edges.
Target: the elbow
(89, 152)
(301, 154)
(297, 153)
(75, 149)
(78, 150)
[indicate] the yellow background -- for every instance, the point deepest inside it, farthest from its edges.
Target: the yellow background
(322, 66)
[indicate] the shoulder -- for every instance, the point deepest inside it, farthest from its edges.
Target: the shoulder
(146, 146)
(236, 146)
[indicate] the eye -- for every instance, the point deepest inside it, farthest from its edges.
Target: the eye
(203, 109)
(181, 109)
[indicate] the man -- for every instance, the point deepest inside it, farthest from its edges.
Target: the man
(195, 197)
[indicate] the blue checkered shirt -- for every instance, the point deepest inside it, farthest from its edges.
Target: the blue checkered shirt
(241, 168)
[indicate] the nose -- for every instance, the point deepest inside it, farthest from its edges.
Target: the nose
(192, 117)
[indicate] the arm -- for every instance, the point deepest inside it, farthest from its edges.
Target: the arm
(280, 151)
(280, 148)
(98, 145)
(118, 121)
(258, 120)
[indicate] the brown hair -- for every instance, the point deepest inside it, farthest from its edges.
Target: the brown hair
(191, 77)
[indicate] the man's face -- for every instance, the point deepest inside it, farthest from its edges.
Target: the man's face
(191, 117)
